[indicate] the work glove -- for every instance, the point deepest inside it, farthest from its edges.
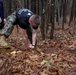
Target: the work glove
(4, 21)
(0, 20)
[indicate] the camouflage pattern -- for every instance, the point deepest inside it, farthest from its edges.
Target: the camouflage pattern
(8, 27)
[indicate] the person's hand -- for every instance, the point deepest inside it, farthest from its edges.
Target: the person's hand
(0, 20)
(4, 21)
(31, 46)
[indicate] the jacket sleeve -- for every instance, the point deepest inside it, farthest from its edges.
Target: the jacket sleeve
(2, 14)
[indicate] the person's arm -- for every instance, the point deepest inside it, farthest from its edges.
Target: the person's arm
(34, 33)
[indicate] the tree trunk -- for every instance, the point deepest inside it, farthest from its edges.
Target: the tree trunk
(53, 15)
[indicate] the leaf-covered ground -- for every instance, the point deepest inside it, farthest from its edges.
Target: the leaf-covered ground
(51, 57)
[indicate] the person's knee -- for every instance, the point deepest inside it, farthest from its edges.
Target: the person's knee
(12, 20)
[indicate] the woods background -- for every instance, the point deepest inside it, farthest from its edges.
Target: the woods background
(52, 12)
(51, 57)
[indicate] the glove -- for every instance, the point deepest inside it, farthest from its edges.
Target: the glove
(4, 21)
(0, 20)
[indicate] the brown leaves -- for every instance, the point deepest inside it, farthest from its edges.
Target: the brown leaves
(51, 57)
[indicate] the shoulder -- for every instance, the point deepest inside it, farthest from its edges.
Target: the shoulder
(24, 11)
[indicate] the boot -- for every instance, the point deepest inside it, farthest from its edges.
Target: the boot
(3, 43)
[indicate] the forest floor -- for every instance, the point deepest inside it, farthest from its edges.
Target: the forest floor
(51, 57)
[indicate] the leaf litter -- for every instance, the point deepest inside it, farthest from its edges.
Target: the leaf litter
(51, 57)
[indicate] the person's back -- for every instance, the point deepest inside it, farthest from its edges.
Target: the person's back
(23, 16)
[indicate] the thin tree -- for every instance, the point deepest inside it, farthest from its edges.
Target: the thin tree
(72, 12)
(52, 18)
